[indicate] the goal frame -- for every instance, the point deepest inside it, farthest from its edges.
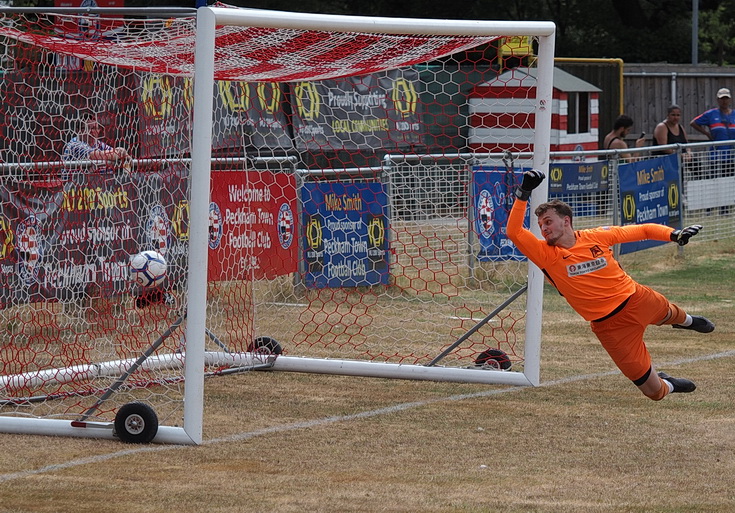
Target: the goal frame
(207, 19)
(196, 356)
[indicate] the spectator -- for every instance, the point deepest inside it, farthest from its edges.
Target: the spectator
(669, 131)
(88, 145)
(717, 124)
(615, 140)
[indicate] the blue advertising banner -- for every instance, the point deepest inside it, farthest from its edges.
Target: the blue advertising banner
(578, 177)
(345, 230)
(649, 193)
(492, 198)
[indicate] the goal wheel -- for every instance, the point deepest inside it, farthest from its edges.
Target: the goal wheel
(136, 423)
(493, 359)
(265, 345)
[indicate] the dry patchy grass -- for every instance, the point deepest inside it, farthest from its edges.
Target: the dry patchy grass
(585, 441)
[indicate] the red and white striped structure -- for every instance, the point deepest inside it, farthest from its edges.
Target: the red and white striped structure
(502, 113)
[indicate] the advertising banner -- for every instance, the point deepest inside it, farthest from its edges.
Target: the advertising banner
(76, 240)
(492, 199)
(578, 177)
(252, 225)
(245, 115)
(649, 193)
(150, 113)
(380, 110)
(345, 234)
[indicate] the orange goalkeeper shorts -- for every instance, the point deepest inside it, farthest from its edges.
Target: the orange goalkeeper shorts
(622, 334)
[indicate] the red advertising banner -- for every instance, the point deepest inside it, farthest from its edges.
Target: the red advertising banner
(252, 225)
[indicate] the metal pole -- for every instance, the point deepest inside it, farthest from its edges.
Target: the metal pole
(695, 32)
(542, 136)
(201, 154)
(479, 325)
(134, 367)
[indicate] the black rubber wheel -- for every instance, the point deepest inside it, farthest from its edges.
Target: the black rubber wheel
(136, 423)
(265, 345)
(493, 359)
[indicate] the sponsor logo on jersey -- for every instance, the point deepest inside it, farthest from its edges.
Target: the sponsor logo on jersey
(587, 267)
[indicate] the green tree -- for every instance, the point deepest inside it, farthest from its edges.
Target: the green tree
(717, 34)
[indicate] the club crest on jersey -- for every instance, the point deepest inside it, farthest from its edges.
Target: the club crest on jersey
(586, 267)
(596, 251)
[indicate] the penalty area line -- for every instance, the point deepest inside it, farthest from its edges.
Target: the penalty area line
(334, 419)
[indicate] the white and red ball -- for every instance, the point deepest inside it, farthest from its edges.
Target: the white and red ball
(147, 268)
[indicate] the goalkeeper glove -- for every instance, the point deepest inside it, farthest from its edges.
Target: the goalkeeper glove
(682, 236)
(531, 180)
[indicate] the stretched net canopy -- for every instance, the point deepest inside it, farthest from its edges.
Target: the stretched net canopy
(242, 53)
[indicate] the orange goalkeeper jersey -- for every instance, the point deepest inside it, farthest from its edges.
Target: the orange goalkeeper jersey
(587, 275)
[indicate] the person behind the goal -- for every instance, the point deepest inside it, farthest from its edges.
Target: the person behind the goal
(580, 264)
(87, 144)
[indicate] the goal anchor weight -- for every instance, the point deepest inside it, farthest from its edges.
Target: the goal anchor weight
(479, 325)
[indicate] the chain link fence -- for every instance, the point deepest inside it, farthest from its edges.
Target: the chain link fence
(426, 187)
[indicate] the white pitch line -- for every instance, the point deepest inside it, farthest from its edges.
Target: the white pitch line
(468, 319)
(334, 419)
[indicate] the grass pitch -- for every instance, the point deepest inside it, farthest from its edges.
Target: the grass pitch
(584, 441)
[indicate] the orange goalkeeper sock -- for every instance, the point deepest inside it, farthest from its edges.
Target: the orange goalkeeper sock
(676, 315)
(666, 389)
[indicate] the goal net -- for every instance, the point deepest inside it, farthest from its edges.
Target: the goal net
(300, 192)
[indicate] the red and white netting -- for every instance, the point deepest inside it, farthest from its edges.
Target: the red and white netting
(242, 53)
(345, 221)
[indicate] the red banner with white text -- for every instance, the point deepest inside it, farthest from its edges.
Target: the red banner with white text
(252, 225)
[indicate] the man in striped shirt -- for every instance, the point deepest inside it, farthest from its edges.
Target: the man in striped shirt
(718, 124)
(580, 264)
(88, 145)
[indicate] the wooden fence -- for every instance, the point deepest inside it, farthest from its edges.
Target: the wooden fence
(648, 89)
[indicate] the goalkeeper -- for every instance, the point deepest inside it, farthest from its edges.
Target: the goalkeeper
(580, 264)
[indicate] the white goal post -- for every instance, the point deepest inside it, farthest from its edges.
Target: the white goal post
(206, 64)
(207, 21)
